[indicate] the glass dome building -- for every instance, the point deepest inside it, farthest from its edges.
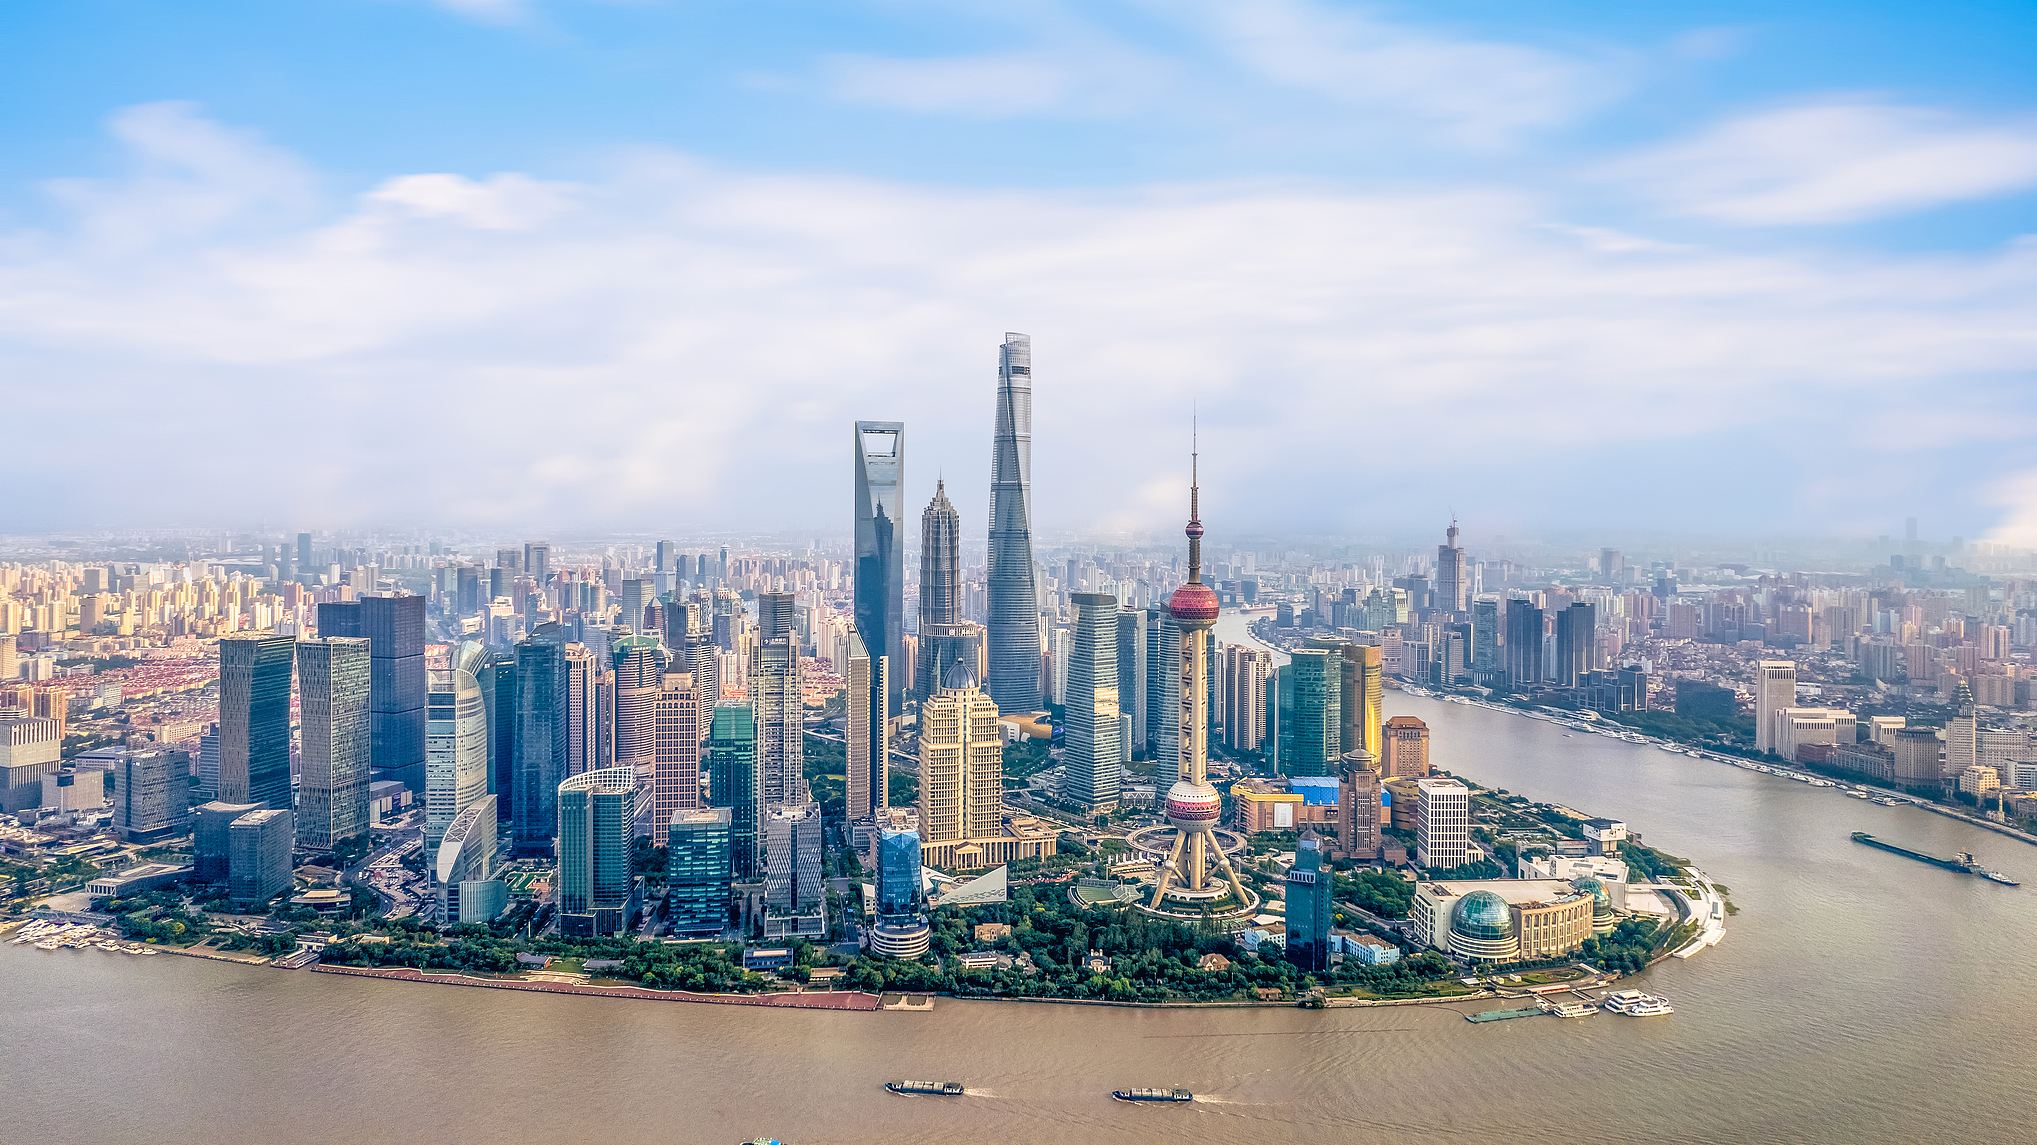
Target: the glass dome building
(1482, 928)
(1602, 919)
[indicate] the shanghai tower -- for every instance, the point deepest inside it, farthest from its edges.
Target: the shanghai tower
(1014, 596)
(880, 543)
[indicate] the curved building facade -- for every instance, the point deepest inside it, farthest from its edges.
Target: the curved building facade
(463, 867)
(455, 750)
(1014, 594)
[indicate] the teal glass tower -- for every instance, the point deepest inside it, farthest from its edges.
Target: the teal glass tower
(1308, 906)
(697, 871)
(880, 543)
(734, 781)
(597, 835)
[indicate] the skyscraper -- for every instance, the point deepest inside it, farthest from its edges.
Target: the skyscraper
(1014, 628)
(1311, 718)
(733, 782)
(793, 882)
(675, 781)
(334, 744)
(1406, 753)
(697, 871)
(1487, 646)
(1523, 643)
(1775, 688)
(961, 762)
(880, 542)
(639, 665)
(582, 708)
(776, 697)
(1246, 671)
(394, 626)
(1358, 805)
(151, 794)
(259, 846)
(1163, 688)
(254, 719)
(1132, 686)
(868, 733)
(537, 561)
(1091, 770)
(463, 867)
(1443, 826)
(455, 751)
(1359, 705)
(944, 636)
(597, 836)
(1576, 644)
(1452, 582)
(541, 726)
(1308, 905)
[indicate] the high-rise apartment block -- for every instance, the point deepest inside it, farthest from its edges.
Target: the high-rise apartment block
(334, 745)
(254, 719)
(1014, 600)
(1246, 673)
(1091, 765)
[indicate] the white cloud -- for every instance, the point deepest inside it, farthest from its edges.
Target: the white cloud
(983, 85)
(674, 343)
(1834, 163)
(1478, 92)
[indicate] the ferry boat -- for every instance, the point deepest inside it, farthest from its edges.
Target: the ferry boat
(1152, 1095)
(1885, 801)
(1858, 795)
(1568, 1009)
(926, 1088)
(1635, 1004)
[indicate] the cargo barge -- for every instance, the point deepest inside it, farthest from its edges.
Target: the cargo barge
(1152, 1095)
(1503, 1015)
(1964, 862)
(926, 1088)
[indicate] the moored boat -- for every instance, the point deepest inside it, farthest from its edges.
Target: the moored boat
(1152, 1095)
(1568, 1009)
(1635, 1004)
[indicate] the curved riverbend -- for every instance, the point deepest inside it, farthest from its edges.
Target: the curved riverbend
(1850, 982)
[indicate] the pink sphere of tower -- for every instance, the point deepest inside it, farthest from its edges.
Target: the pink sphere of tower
(1193, 605)
(1193, 807)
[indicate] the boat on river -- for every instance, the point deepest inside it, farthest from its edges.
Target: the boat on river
(926, 1088)
(1568, 1009)
(1635, 1004)
(1504, 1015)
(1963, 862)
(1152, 1095)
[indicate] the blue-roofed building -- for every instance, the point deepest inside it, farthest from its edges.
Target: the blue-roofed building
(1315, 790)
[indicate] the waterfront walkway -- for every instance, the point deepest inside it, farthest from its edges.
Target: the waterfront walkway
(805, 1000)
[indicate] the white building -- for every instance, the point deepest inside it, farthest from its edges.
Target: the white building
(1775, 688)
(1443, 835)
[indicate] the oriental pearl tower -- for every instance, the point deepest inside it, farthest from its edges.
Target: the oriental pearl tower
(1190, 876)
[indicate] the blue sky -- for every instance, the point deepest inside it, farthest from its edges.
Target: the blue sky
(1721, 267)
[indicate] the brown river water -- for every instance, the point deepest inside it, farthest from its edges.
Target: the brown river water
(1858, 997)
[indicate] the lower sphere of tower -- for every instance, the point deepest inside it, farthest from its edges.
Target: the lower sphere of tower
(1193, 806)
